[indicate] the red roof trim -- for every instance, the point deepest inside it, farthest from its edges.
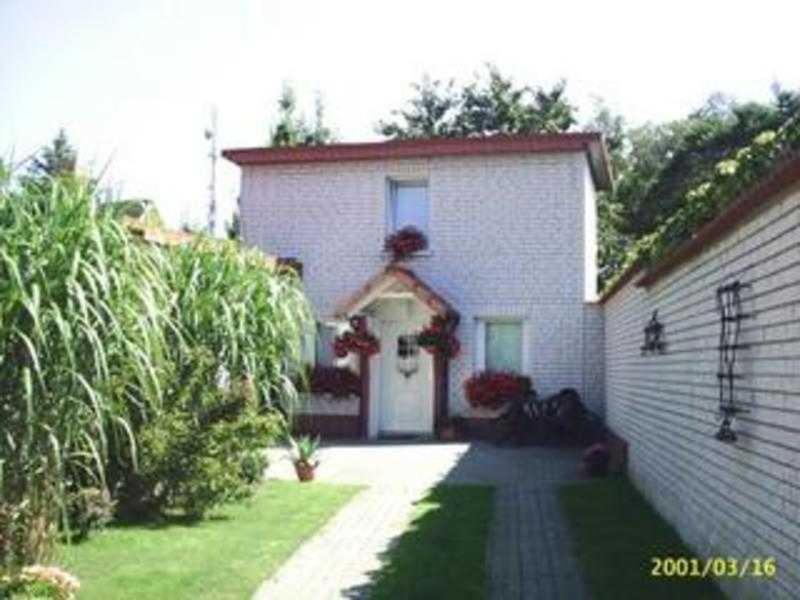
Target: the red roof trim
(589, 142)
(745, 207)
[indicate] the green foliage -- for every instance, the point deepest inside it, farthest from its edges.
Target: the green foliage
(231, 302)
(491, 104)
(38, 583)
(305, 449)
(294, 130)
(204, 447)
(89, 509)
(657, 166)
(58, 159)
(139, 212)
(729, 177)
(82, 336)
(97, 330)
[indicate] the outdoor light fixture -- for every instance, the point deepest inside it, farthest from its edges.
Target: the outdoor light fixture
(653, 344)
(729, 304)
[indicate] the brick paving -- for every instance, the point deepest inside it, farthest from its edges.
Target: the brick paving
(528, 557)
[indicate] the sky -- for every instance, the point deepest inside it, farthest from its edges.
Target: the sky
(133, 82)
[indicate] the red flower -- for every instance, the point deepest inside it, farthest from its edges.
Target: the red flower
(439, 338)
(404, 242)
(358, 341)
(340, 382)
(490, 389)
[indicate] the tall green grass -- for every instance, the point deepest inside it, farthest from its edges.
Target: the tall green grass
(92, 323)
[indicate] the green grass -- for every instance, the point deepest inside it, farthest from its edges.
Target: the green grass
(616, 534)
(442, 554)
(226, 556)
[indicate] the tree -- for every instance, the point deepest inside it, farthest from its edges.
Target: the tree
(233, 228)
(431, 114)
(656, 165)
(57, 159)
(491, 104)
(293, 129)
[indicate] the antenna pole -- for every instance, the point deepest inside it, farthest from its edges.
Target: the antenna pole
(211, 136)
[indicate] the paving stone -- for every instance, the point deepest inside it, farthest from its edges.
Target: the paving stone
(528, 554)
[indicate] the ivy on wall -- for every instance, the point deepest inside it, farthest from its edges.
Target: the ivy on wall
(729, 179)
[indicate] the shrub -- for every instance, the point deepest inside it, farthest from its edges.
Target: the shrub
(89, 509)
(490, 389)
(38, 582)
(204, 447)
(98, 333)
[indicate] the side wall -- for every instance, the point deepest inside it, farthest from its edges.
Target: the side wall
(729, 500)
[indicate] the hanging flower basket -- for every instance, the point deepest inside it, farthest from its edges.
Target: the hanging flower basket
(339, 382)
(404, 242)
(358, 341)
(439, 337)
(490, 389)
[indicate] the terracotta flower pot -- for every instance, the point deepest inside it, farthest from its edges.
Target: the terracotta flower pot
(305, 471)
(448, 433)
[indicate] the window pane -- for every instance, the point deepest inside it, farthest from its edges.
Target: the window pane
(410, 205)
(324, 344)
(504, 346)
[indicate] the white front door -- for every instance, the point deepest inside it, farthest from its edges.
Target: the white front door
(407, 381)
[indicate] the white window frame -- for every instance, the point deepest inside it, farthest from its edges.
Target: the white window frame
(391, 213)
(480, 340)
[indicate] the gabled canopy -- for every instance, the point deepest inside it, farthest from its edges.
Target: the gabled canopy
(389, 280)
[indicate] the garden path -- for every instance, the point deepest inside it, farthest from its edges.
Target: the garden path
(528, 555)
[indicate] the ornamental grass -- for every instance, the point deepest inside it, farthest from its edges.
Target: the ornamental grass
(93, 326)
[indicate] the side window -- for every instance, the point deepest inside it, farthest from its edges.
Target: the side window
(408, 206)
(318, 345)
(503, 346)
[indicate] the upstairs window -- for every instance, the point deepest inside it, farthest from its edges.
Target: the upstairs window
(408, 205)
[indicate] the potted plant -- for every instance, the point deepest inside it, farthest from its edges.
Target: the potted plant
(304, 456)
(448, 431)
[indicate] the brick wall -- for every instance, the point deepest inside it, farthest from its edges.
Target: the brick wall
(741, 499)
(508, 238)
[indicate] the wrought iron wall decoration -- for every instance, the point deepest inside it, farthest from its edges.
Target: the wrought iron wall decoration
(653, 340)
(729, 304)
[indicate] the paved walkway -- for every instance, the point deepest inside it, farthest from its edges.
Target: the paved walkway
(528, 556)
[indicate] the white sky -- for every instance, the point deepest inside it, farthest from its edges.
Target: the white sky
(133, 81)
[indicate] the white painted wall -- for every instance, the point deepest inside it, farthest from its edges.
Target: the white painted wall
(508, 238)
(740, 500)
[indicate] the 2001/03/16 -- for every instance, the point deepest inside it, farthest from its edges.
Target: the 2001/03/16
(713, 567)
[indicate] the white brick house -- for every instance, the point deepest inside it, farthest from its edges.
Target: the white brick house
(511, 226)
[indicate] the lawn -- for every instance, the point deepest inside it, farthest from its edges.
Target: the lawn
(616, 533)
(442, 554)
(226, 556)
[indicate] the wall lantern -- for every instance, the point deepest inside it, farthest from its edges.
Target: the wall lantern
(653, 332)
(729, 305)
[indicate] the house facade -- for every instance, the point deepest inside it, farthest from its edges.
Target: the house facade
(510, 263)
